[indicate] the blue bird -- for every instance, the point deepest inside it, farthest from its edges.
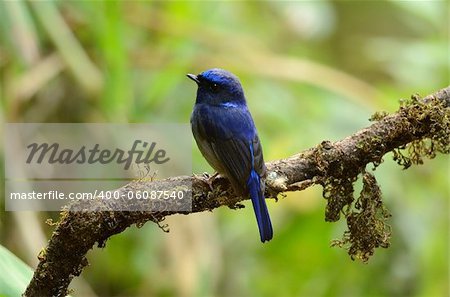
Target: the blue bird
(226, 136)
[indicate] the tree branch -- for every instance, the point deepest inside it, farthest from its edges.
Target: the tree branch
(421, 126)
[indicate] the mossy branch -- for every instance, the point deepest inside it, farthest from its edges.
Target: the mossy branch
(421, 127)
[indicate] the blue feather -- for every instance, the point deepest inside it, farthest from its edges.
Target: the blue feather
(260, 207)
(226, 136)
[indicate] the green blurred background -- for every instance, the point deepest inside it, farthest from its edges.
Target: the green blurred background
(311, 71)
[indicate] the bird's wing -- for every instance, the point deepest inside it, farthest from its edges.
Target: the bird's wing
(225, 137)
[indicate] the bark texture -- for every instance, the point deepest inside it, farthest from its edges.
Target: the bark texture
(420, 128)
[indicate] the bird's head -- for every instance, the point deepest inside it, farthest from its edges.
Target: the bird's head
(217, 86)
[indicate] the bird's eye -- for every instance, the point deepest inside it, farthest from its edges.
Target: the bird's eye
(214, 87)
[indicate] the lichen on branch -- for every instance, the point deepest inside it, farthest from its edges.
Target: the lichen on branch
(367, 217)
(419, 129)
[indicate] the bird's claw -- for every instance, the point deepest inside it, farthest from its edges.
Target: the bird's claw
(207, 179)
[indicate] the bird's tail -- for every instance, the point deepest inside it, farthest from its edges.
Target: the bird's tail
(259, 206)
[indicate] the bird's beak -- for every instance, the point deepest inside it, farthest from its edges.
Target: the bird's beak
(193, 77)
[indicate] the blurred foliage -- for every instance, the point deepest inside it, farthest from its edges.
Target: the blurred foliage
(15, 281)
(312, 71)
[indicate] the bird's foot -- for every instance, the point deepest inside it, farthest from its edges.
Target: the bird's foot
(207, 179)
